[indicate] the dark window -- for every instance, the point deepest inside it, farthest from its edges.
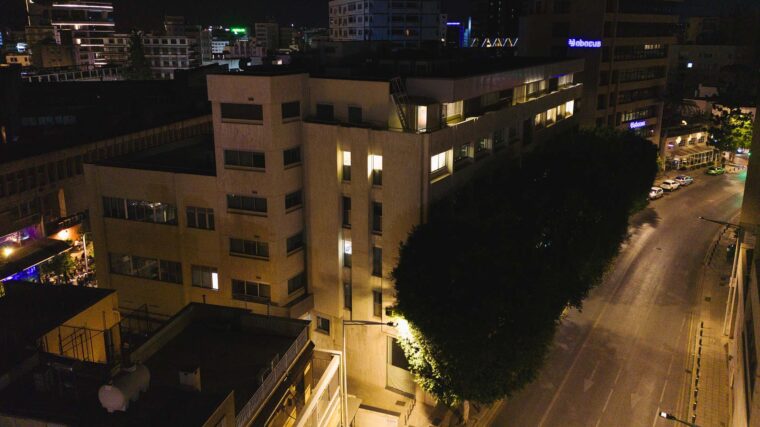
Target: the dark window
(253, 248)
(146, 268)
(346, 202)
(293, 199)
(291, 110)
(601, 102)
(323, 325)
(295, 243)
(354, 114)
(247, 203)
(750, 351)
(146, 211)
(250, 291)
(114, 207)
(200, 218)
(397, 356)
(481, 145)
(377, 261)
(347, 298)
(377, 217)
(292, 156)
(377, 303)
(242, 112)
(246, 159)
(325, 112)
(296, 283)
(205, 277)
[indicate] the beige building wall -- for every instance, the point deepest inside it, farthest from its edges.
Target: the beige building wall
(406, 191)
(99, 317)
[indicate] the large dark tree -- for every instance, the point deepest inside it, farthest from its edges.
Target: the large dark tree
(138, 67)
(485, 280)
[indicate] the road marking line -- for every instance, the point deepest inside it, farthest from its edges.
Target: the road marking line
(620, 370)
(662, 394)
(656, 417)
(607, 304)
(599, 421)
(591, 377)
(606, 402)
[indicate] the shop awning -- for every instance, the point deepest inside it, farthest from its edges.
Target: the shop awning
(684, 152)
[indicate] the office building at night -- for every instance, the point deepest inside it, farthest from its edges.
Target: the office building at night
(297, 207)
(406, 24)
(81, 24)
(625, 45)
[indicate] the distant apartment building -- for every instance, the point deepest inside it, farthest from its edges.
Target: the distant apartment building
(81, 24)
(625, 44)
(164, 53)
(297, 206)
(55, 127)
(198, 37)
(267, 34)
(403, 23)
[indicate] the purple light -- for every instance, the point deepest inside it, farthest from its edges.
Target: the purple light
(454, 24)
(637, 124)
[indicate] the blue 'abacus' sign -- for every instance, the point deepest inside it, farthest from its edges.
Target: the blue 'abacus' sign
(584, 43)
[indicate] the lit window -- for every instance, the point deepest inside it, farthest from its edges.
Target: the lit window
(438, 162)
(347, 251)
(376, 165)
(569, 106)
(346, 166)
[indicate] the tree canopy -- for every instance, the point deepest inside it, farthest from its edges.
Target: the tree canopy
(483, 283)
(731, 129)
(138, 67)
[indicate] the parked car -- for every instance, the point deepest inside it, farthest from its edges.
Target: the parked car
(684, 180)
(670, 185)
(715, 170)
(655, 193)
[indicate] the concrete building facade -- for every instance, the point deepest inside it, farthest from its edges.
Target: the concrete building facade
(625, 44)
(314, 181)
(406, 24)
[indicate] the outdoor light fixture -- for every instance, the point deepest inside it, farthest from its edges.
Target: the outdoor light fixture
(7, 251)
(672, 417)
(689, 65)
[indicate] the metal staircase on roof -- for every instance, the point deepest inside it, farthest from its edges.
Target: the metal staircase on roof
(401, 99)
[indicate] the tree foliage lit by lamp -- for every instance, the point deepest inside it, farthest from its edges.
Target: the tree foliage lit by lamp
(483, 283)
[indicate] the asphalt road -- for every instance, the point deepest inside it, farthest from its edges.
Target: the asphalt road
(624, 356)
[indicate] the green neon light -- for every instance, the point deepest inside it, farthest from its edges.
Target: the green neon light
(238, 30)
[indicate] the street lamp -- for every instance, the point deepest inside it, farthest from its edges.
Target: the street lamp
(345, 359)
(672, 417)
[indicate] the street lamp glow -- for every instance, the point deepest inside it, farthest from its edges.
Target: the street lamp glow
(402, 325)
(7, 251)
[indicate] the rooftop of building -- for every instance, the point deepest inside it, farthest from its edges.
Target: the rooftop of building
(194, 156)
(382, 66)
(232, 349)
(46, 117)
(30, 310)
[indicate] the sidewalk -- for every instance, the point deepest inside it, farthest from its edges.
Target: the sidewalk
(709, 390)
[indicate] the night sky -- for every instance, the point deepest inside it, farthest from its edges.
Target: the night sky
(147, 14)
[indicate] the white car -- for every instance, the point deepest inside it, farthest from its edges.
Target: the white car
(655, 193)
(670, 185)
(684, 180)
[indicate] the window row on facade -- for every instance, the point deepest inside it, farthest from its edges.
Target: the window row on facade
(256, 160)
(200, 276)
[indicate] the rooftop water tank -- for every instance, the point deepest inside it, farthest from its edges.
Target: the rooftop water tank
(124, 388)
